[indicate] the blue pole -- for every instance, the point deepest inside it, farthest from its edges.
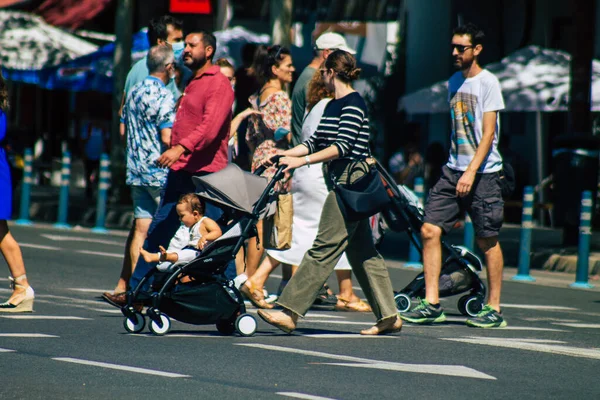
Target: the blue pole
(414, 257)
(583, 252)
(26, 190)
(102, 194)
(525, 243)
(469, 239)
(63, 202)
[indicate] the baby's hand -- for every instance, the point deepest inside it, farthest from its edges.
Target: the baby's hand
(202, 243)
(163, 253)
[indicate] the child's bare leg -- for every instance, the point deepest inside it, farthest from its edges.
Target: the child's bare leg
(149, 257)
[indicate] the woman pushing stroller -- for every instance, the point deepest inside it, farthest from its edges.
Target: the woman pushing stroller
(341, 142)
(195, 233)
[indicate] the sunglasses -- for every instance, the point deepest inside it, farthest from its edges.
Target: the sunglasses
(279, 49)
(460, 48)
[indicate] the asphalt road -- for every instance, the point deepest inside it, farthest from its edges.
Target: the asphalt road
(74, 346)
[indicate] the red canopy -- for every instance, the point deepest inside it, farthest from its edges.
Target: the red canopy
(70, 13)
(8, 3)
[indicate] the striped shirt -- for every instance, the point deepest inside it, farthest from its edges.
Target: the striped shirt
(345, 124)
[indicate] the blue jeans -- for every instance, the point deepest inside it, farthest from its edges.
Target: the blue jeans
(166, 221)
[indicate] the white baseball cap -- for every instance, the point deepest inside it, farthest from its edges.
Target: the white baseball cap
(332, 41)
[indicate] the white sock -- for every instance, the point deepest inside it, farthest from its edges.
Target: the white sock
(239, 280)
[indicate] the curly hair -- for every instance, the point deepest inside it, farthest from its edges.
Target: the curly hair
(317, 90)
(193, 201)
(3, 94)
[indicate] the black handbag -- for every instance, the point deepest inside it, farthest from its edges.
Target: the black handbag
(363, 198)
(507, 180)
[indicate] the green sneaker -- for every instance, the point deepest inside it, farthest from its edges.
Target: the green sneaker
(487, 318)
(424, 313)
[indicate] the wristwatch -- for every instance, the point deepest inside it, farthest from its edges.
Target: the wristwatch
(307, 158)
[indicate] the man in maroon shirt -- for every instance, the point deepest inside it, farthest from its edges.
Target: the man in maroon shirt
(198, 141)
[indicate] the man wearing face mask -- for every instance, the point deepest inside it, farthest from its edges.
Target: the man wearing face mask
(147, 119)
(198, 142)
(162, 31)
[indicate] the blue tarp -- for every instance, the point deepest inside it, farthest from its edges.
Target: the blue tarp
(92, 72)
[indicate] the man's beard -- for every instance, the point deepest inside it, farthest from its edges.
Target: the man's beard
(463, 65)
(195, 65)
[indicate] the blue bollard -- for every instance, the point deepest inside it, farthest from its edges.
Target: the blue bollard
(414, 257)
(525, 243)
(469, 239)
(63, 202)
(102, 195)
(583, 252)
(26, 190)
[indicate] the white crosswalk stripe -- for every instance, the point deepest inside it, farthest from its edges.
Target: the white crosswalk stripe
(7, 350)
(539, 345)
(27, 335)
(62, 238)
(46, 317)
(579, 325)
(121, 367)
(358, 362)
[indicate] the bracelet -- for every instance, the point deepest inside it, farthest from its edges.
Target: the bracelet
(307, 158)
(159, 256)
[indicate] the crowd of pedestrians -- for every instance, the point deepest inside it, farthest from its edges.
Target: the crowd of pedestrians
(177, 120)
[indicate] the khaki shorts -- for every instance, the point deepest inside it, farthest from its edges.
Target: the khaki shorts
(484, 204)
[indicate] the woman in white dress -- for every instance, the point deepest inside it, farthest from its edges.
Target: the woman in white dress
(308, 195)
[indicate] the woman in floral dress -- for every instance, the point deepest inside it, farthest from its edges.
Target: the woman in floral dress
(268, 134)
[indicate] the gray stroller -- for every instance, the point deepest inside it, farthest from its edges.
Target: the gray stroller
(208, 297)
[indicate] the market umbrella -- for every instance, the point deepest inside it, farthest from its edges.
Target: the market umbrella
(532, 79)
(28, 44)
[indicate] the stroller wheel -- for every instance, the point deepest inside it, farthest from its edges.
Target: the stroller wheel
(403, 302)
(226, 327)
(246, 325)
(160, 328)
(135, 324)
(470, 305)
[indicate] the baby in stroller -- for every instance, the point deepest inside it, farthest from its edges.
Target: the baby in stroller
(195, 233)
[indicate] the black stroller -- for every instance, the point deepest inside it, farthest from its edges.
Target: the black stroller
(208, 297)
(461, 267)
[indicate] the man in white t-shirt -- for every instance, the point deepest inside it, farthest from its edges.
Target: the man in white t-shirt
(469, 181)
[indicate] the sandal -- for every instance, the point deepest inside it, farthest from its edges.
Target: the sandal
(256, 296)
(324, 298)
(357, 306)
(21, 301)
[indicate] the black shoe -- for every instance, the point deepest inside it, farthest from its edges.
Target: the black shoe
(424, 313)
(487, 318)
(324, 298)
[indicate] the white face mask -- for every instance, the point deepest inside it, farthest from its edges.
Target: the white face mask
(178, 50)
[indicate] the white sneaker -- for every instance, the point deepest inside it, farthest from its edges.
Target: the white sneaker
(239, 280)
(270, 298)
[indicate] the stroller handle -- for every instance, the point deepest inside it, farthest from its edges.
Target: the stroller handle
(262, 168)
(261, 202)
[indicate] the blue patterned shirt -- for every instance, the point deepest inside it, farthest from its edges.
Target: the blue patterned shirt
(148, 109)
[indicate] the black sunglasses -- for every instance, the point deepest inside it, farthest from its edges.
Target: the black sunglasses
(460, 48)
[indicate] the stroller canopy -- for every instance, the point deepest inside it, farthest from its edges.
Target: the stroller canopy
(231, 187)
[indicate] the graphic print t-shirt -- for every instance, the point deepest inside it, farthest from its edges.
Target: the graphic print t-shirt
(469, 98)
